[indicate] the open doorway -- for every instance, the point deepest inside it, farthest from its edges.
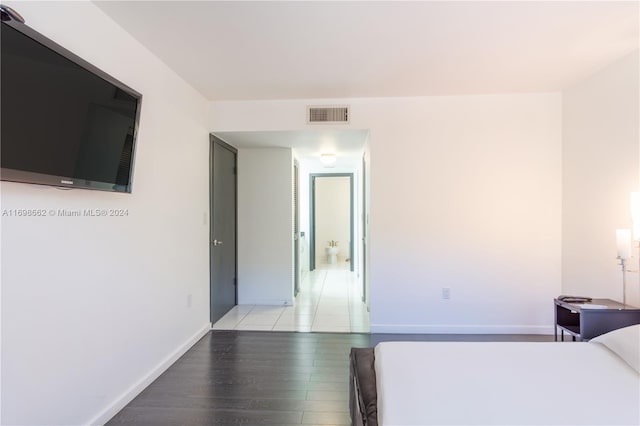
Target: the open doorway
(329, 296)
(331, 221)
(276, 289)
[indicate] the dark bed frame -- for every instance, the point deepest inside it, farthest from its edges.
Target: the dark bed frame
(363, 396)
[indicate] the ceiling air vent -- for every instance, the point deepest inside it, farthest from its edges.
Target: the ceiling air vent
(339, 114)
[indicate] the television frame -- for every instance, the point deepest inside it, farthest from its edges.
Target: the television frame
(21, 176)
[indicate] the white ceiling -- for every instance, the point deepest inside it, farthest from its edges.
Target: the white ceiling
(283, 50)
(333, 49)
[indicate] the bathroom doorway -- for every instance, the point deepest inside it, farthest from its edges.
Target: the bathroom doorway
(331, 220)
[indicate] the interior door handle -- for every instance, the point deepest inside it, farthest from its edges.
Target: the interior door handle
(216, 242)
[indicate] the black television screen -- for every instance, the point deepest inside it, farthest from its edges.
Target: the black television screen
(63, 122)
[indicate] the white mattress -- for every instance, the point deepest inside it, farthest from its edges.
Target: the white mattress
(515, 383)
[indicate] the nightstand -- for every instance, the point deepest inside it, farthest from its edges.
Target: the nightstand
(585, 323)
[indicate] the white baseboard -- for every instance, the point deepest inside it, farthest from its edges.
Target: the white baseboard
(267, 302)
(128, 395)
(460, 329)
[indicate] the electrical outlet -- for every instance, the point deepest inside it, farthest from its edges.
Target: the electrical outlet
(446, 293)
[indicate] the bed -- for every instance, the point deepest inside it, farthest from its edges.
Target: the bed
(498, 383)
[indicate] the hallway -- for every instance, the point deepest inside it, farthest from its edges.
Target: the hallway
(329, 301)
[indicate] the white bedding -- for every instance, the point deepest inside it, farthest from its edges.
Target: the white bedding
(504, 383)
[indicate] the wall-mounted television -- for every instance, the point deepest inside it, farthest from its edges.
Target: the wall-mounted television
(63, 122)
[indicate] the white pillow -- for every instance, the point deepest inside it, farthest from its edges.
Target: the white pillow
(625, 342)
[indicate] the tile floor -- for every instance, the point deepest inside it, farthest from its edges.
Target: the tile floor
(329, 300)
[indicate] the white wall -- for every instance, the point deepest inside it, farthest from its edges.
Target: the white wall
(600, 169)
(333, 216)
(265, 233)
(95, 308)
(465, 193)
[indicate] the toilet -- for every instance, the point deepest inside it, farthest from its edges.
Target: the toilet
(332, 255)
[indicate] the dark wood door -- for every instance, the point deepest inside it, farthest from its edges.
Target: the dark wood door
(222, 243)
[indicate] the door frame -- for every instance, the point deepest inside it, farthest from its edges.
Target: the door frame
(365, 232)
(296, 227)
(216, 140)
(312, 217)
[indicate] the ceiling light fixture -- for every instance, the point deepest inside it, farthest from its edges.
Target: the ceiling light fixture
(328, 159)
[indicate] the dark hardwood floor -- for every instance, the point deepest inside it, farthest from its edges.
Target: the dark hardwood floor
(257, 378)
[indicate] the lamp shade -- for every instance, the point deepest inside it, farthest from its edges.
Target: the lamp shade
(635, 214)
(623, 241)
